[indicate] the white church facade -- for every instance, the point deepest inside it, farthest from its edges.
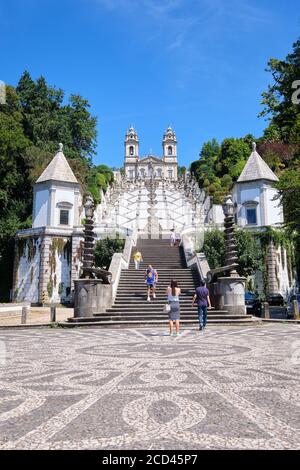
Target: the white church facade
(151, 166)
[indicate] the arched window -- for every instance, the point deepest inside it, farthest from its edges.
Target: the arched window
(131, 150)
(169, 150)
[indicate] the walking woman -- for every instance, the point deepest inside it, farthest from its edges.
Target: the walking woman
(173, 293)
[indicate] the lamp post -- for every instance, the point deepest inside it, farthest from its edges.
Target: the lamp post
(89, 239)
(231, 254)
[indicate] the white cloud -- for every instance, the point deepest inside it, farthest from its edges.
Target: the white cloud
(191, 30)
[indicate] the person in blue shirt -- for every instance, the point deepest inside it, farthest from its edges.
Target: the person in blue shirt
(203, 301)
(151, 279)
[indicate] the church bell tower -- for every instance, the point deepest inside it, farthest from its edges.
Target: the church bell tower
(131, 146)
(169, 144)
(131, 153)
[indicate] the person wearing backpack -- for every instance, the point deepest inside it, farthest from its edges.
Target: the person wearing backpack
(151, 279)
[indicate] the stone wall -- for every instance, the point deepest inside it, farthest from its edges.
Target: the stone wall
(27, 269)
(43, 269)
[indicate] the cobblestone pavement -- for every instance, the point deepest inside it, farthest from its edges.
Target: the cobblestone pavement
(225, 388)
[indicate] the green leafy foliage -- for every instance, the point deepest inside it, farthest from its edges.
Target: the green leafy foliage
(283, 113)
(99, 177)
(249, 249)
(219, 166)
(213, 247)
(105, 249)
(33, 121)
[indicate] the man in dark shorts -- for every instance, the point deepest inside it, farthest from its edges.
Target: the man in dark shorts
(151, 278)
(203, 301)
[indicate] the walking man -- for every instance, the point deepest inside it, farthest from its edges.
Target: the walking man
(203, 301)
(151, 278)
(137, 257)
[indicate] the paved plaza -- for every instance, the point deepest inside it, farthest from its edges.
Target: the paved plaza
(225, 388)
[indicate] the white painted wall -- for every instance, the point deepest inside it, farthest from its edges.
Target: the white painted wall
(40, 210)
(64, 195)
(274, 210)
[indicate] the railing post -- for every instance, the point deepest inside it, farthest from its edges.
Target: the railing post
(25, 310)
(295, 309)
(53, 313)
(266, 310)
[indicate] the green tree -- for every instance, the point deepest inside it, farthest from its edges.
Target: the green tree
(289, 194)
(250, 253)
(32, 122)
(234, 154)
(105, 249)
(47, 121)
(213, 247)
(249, 249)
(277, 100)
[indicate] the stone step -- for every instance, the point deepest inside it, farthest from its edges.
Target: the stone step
(160, 313)
(148, 309)
(142, 299)
(163, 270)
(140, 276)
(162, 316)
(161, 283)
(160, 288)
(150, 323)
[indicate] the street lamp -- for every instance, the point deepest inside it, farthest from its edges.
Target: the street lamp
(89, 207)
(88, 246)
(228, 205)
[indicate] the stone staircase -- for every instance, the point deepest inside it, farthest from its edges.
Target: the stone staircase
(131, 308)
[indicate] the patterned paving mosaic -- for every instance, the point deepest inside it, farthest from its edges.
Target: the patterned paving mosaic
(225, 388)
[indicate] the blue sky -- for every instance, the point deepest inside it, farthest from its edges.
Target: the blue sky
(198, 65)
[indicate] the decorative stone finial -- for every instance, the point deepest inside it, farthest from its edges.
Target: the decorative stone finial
(60, 147)
(254, 146)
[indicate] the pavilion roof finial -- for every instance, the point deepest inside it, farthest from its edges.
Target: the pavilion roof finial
(60, 147)
(254, 146)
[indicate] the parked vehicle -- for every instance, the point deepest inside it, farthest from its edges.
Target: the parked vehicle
(289, 308)
(253, 304)
(275, 300)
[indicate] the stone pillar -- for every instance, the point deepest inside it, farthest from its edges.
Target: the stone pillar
(44, 266)
(271, 265)
(91, 296)
(295, 309)
(15, 272)
(231, 295)
(266, 310)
